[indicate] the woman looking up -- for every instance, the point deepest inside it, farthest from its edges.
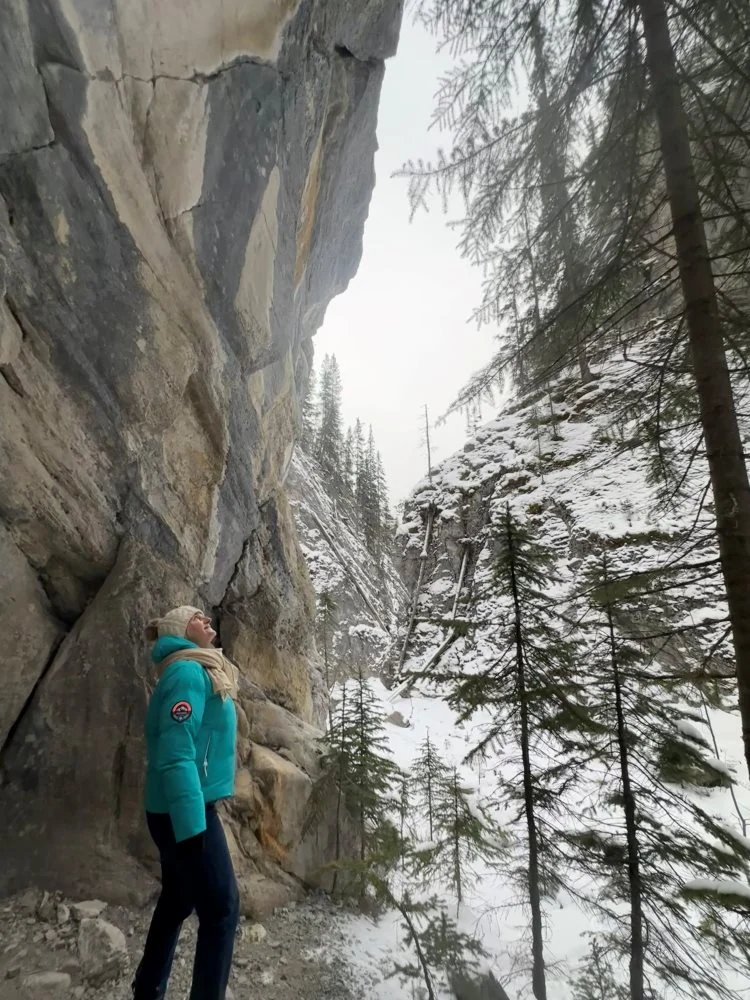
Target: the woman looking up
(191, 727)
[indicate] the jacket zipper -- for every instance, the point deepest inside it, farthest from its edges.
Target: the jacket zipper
(205, 758)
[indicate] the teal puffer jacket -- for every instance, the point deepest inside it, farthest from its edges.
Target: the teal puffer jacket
(191, 735)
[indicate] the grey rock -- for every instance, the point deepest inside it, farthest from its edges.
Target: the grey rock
(103, 951)
(47, 983)
(24, 122)
(26, 903)
(13, 972)
(47, 908)
(256, 933)
(373, 36)
(168, 251)
(397, 719)
(485, 987)
(63, 913)
(88, 909)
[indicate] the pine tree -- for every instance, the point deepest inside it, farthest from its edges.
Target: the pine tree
(529, 687)
(329, 444)
(441, 950)
(429, 775)
(360, 474)
(385, 521)
(634, 125)
(357, 768)
(376, 777)
(371, 519)
(310, 415)
(326, 614)
(645, 857)
(347, 463)
(595, 980)
(463, 833)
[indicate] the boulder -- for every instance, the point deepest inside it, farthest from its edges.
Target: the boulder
(88, 909)
(47, 908)
(481, 987)
(47, 984)
(256, 933)
(102, 950)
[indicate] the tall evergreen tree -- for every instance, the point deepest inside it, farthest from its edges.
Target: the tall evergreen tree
(360, 474)
(347, 463)
(529, 687)
(641, 103)
(429, 775)
(371, 514)
(638, 852)
(326, 614)
(330, 442)
(463, 834)
(358, 770)
(310, 414)
(595, 980)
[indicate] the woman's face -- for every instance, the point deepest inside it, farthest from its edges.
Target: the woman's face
(199, 631)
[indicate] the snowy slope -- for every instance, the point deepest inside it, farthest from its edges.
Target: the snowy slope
(366, 599)
(568, 474)
(582, 492)
(492, 910)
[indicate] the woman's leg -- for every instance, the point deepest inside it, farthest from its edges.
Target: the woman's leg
(217, 904)
(174, 906)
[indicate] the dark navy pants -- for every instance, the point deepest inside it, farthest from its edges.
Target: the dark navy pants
(205, 884)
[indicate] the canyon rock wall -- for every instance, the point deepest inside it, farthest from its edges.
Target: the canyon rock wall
(183, 189)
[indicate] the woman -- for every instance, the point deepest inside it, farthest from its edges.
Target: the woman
(191, 727)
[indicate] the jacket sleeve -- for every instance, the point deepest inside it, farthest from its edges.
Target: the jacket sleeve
(180, 715)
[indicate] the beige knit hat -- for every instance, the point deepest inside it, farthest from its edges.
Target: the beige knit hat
(174, 622)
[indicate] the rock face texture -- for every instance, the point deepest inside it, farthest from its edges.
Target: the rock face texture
(183, 188)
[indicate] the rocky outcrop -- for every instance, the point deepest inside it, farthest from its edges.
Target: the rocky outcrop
(182, 191)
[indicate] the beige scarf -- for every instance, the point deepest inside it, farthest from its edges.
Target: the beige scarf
(223, 673)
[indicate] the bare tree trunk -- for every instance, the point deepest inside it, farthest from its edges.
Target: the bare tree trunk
(429, 789)
(538, 978)
(726, 460)
(403, 909)
(340, 791)
(631, 825)
(456, 844)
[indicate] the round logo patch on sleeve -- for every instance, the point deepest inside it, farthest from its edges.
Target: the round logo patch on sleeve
(181, 711)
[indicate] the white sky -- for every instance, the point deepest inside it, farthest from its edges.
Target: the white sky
(401, 332)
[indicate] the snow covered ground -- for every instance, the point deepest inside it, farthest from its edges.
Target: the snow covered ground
(492, 910)
(571, 468)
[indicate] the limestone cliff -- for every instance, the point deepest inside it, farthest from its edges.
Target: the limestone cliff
(183, 188)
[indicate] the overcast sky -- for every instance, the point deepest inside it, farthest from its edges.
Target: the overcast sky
(401, 332)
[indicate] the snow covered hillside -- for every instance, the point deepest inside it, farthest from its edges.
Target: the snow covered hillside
(580, 483)
(569, 472)
(357, 600)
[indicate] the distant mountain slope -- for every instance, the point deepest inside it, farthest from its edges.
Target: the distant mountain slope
(366, 597)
